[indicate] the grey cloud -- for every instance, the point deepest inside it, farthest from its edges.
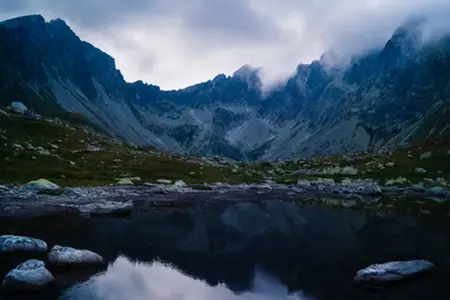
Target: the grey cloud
(175, 43)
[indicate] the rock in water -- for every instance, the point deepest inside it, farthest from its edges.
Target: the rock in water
(392, 271)
(41, 184)
(66, 256)
(13, 243)
(31, 274)
(18, 107)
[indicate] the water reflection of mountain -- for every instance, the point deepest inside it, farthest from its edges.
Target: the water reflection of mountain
(311, 249)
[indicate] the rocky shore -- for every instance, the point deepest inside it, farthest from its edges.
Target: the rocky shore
(43, 197)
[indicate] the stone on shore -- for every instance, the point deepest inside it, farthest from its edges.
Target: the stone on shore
(13, 243)
(66, 256)
(41, 184)
(30, 275)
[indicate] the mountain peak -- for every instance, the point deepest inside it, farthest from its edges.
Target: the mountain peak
(250, 75)
(24, 21)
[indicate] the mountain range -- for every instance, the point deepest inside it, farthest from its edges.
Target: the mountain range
(384, 98)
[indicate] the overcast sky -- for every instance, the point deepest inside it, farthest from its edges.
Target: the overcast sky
(176, 43)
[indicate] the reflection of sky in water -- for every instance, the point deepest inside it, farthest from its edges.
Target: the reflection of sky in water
(126, 280)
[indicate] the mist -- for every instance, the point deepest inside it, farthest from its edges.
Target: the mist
(125, 279)
(175, 43)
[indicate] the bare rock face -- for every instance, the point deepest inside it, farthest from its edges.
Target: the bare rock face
(12, 243)
(29, 275)
(392, 271)
(66, 256)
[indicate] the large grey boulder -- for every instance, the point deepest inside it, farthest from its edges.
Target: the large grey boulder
(392, 271)
(66, 256)
(13, 243)
(29, 275)
(17, 107)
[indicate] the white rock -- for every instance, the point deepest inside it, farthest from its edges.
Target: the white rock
(43, 151)
(420, 170)
(392, 271)
(66, 256)
(18, 107)
(390, 164)
(349, 171)
(264, 186)
(41, 184)
(13, 243)
(191, 173)
(4, 188)
(164, 181)
(426, 155)
(180, 183)
(125, 181)
(31, 274)
(17, 146)
(135, 178)
(399, 180)
(325, 180)
(55, 147)
(3, 113)
(303, 182)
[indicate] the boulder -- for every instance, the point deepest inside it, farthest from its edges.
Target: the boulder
(29, 275)
(420, 170)
(41, 184)
(301, 182)
(17, 107)
(392, 271)
(426, 155)
(66, 256)
(163, 181)
(125, 181)
(180, 183)
(13, 243)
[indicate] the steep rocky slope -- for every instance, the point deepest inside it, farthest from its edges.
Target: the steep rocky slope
(387, 97)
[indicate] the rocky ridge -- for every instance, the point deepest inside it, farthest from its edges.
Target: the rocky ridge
(385, 98)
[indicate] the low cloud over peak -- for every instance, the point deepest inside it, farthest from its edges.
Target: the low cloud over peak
(176, 43)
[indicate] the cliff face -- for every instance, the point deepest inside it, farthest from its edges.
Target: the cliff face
(386, 97)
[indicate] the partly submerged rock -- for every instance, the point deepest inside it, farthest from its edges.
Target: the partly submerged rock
(392, 271)
(66, 256)
(31, 274)
(13, 243)
(41, 184)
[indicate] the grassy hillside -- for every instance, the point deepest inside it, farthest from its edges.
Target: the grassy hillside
(70, 155)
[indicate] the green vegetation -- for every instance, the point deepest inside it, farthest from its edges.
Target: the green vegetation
(70, 156)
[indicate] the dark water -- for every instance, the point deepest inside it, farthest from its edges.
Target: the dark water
(313, 250)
